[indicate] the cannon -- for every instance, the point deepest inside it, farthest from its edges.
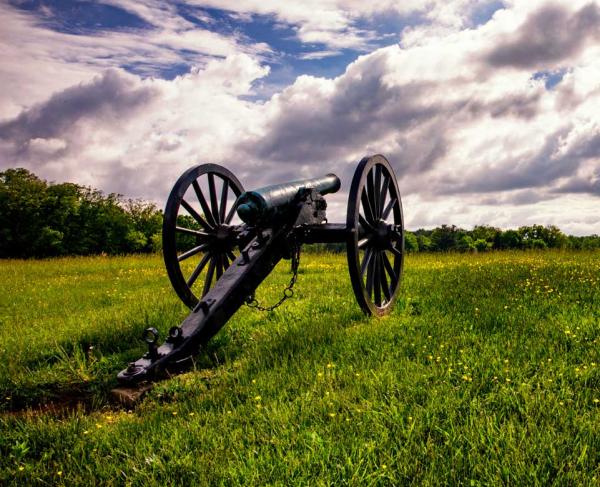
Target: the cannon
(220, 242)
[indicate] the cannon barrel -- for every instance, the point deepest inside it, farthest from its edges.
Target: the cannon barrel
(266, 204)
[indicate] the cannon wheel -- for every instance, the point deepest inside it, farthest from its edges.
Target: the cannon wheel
(375, 244)
(200, 209)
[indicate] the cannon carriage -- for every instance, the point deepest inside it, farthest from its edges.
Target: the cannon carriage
(220, 242)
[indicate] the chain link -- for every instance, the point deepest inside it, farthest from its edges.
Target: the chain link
(288, 292)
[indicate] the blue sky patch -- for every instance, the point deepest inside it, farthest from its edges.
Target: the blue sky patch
(550, 78)
(485, 11)
(81, 17)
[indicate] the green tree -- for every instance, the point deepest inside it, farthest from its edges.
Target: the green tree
(537, 243)
(484, 232)
(136, 241)
(481, 245)
(591, 242)
(22, 197)
(550, 235)
(146, 219)
(465, 243)
(445, 237)
(424, 242)
(509, 239)
(410, 242)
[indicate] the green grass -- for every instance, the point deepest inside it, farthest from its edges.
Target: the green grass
(486, 373)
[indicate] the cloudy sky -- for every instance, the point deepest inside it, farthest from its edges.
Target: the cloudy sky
(488, 110)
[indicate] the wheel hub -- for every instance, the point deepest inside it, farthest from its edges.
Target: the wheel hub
(223, 232)
(224, 237)
(382, 235)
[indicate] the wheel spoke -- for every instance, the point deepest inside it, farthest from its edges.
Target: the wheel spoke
(365, 261)
(231, 255)
(377, 192)
(231, 213)
(362, 243)
(224, 194)
(189, 253)
(388, 208)
(364, 198)
(377, 278)
(385, 288)
(370, 194)
(389, 269)
(194, 214)
(225, 261)
(209, 276)
(198, 270)
(384, 284)
(189, 231)
(213, 195)
(365, 224)
(395, 251)
(370, 277)
(205, 209)
(384, 191)
(219, 265)
(397, 236)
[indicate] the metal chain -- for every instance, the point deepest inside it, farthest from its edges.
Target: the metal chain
(288, 292)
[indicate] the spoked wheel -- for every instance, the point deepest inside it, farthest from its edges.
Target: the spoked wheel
(376, 245)
(198, 229)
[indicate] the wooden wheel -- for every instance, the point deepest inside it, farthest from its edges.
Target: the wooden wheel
(198, 231)
(375, 244)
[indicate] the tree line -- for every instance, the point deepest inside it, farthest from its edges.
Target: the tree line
(484, 237)
(42, 219)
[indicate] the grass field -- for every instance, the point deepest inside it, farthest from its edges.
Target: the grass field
(486, 373)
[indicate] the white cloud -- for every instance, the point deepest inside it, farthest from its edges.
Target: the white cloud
(134, 136)
(37, 61)
(46, 147)
(318, 54)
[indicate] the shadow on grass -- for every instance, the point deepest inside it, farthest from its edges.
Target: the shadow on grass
(78, 374)
(58, 398)
(79, 377)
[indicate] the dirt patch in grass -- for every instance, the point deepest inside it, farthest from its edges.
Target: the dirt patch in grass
(59, 406)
